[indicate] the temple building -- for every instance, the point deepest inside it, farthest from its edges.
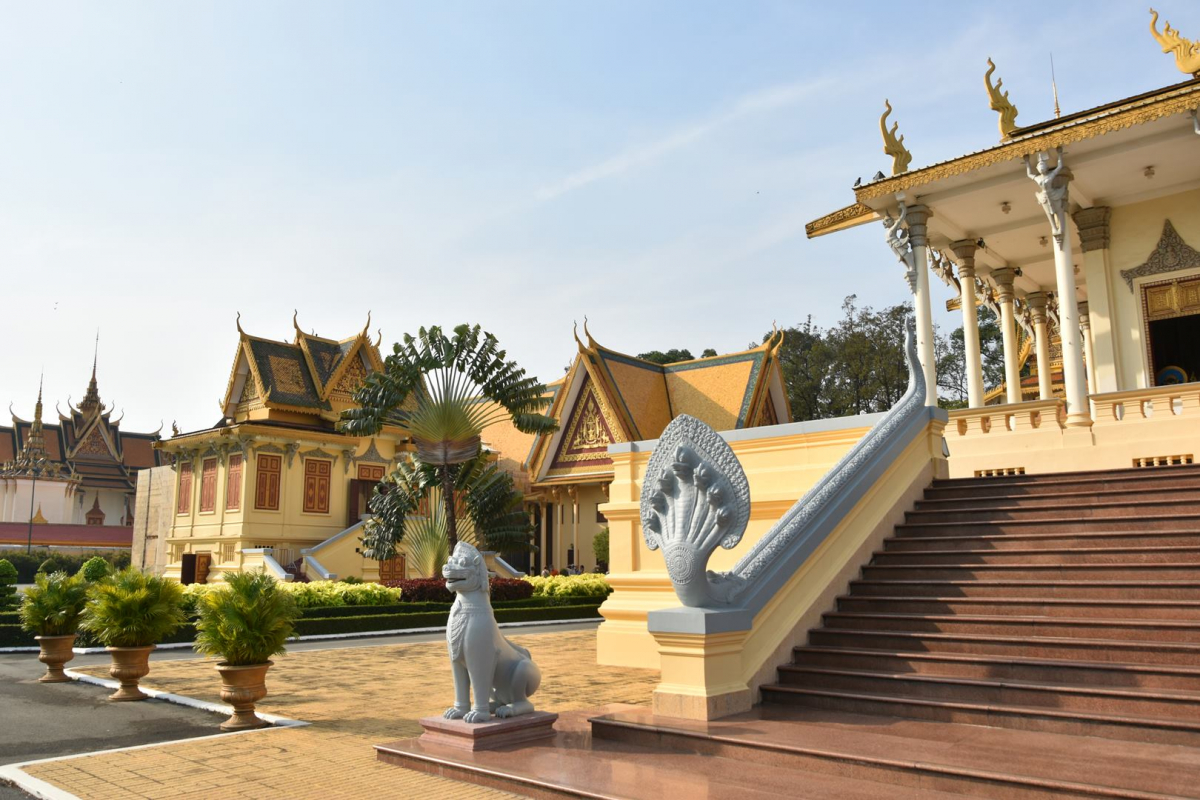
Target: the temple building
(274, 477)
(81, 471)
(609, 398)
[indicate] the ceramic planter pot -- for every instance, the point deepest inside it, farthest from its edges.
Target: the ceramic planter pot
(129, 665)
(242, 687)
(56, 651)
(446, 451)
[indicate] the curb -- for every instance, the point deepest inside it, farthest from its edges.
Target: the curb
(88, 651)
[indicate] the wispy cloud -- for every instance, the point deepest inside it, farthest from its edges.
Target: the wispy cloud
(646, 153)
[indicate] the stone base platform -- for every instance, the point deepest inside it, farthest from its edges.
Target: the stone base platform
(460, 735)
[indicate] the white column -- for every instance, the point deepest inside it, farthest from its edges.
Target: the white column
(1041, 339)
(574, 493)
(1089, 353)
(1003, 278)
(1052, 194)
(1104, 358)
(918, 218)
(964, 251)
(542, 538)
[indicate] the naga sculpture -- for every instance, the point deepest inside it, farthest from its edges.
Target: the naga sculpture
(893, 145)
(501, 675)
(1186, 52)
(998, 101)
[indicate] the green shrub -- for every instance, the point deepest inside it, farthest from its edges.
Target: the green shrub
(352, 579)
(8, 585)
(28, 564)
(587, 585)
(53, 564)
(246, 621)
(53, 605)
(318, 594)
(600, 546)
(132, 609)
(94, 569)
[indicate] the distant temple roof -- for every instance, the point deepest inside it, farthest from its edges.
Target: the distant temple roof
(86, 445)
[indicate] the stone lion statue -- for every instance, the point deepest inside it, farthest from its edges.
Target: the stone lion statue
(502, 674)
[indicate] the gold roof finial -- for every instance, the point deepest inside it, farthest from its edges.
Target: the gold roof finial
(999, 102)
(1186, 51)
(893, 145)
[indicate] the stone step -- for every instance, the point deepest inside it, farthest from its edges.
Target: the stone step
(1033, 486)
(1181, 523)
(1116, 608)
(1060, 499)
(1041, 647)
(1026, 718)
(1004, 668)
(1048, 541)
(1066, 572)
(575, 764)
(906, 753)
(1123, 512)
(1179, 555)
(1159, 590)
(1163, 630)
(1090, 478)
(1143, 703)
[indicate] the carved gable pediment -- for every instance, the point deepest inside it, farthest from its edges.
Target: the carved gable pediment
(1170, 255)
(590, 428)
(352, 377)
(93, 445)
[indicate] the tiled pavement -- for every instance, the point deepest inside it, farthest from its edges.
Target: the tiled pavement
(354, 698)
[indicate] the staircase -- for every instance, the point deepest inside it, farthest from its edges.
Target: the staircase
(1022, 636)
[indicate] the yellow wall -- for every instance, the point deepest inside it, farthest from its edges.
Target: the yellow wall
(1135, 232)
(781, 463)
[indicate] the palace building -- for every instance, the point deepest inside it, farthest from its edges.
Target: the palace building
(274, 476)
(78, 473)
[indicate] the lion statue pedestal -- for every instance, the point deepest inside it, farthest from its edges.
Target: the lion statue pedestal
(500, 674)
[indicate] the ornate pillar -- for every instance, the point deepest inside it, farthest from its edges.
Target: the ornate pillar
(1052, 195)
(1003, 278)
(1089, 351)
(1041, 338)
(911, 246)
(558, 523)
(573, 492)
(1104, 358)
(964, 251)
(542, 536)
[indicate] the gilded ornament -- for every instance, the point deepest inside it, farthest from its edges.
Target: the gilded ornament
(999, 102)
(893, 145)
(1186, 52)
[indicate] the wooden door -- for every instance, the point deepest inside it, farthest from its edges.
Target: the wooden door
(203, 563)
(392, 570)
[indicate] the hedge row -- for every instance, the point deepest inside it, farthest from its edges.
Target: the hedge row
(433, 590)
(13, 636)
(29, 564)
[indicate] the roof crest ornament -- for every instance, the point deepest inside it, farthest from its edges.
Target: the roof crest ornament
(379, 341)
(587, 333)
(575, 332)
(1186, 51)
(296, 324)
(367, 327)
(999, 102)
(239, 324)
(893, 145)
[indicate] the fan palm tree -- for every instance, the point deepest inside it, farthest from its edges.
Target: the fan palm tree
(446, 390)
(409, 507)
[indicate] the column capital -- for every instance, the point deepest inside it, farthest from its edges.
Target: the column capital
(964, 251)
(1093, 226)
(917, 218)
(1003, 278)
(1037, 302)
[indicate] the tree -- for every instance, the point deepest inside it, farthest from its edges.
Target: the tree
(409, 507)
(446, 390)
(952, 360)
(669, 357)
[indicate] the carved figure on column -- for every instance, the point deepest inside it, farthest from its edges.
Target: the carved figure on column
(695, 498)
(897, 239)
(1051, 193)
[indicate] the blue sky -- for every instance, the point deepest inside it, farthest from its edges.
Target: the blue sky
(650, 165)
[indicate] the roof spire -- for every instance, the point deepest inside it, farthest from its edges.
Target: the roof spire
(32, 460)
(1054, 88)
(91, 399)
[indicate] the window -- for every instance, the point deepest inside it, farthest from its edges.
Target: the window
(208, 486)
(183, 503)
(233, 483)
(266, 488)
(227, 550)
(370, 472)
(316, 485)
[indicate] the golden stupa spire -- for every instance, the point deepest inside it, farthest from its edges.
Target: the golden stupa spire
(33, 461)
(1186, 51)
(91, 399)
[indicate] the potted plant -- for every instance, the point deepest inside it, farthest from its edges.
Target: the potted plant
(244, 623)
(129, 612)
(51, 610)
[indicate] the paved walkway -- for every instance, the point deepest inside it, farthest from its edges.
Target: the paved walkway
(355, 697)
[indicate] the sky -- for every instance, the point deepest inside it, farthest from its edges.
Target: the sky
(522, 165)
